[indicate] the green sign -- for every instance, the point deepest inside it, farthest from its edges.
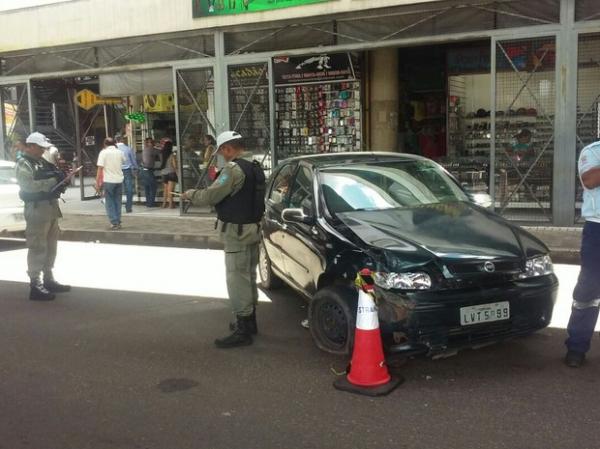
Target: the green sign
(204, 8)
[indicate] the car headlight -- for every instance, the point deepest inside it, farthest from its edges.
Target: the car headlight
(537, 266)
(402, 281)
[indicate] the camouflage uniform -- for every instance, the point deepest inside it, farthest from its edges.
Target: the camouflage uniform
(241, 248)
(41, 218)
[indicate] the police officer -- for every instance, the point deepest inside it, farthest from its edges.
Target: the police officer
(40, 188)
(238, 197)
(586, 295)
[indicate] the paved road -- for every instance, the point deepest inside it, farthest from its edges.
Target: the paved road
(126, 361)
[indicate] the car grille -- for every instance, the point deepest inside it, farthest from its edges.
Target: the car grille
(473, 273)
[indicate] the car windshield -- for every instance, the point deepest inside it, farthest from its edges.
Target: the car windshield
(389, 185)
(7, 175)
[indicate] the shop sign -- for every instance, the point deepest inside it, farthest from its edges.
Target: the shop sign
(159, 103)
(316, 68)
(87, 99)
(468, 60)
(204, 8)
(90, 140)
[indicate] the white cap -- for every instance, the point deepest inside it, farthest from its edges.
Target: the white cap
(227, 136)
(38, 139)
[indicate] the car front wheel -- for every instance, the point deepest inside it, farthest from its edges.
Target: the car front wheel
(332, 318)
(268, 279)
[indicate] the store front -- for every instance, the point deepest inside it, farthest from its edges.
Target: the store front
(503, 94)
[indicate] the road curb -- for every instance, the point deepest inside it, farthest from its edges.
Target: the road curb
(142, 238)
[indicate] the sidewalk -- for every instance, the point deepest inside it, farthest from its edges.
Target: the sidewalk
(86, 221)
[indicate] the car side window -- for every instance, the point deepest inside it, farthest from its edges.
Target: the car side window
(281, 186)
(301, 195)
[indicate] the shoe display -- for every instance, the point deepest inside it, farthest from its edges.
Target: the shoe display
(574, 359)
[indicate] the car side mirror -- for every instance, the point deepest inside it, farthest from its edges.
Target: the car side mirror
(293, 215)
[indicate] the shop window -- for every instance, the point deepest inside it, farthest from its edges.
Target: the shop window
(15, 104)
(525, 103)
(588, 103)
(318, 104)
(249, 109)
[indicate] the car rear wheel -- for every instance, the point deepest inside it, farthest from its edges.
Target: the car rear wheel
(332, 318)
(268, 279)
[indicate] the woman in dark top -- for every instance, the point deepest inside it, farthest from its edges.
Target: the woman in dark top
(168, 171)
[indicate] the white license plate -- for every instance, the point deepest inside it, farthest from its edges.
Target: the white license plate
(484, 313)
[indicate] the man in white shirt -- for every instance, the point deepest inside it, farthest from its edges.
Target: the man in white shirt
(110, 178)
(130, 168)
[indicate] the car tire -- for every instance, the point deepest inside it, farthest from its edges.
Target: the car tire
(267, 279)
(332, 318)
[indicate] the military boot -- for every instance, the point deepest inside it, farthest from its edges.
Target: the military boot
(37, 291)
(53, 286)
(240, 336)
(252, 327)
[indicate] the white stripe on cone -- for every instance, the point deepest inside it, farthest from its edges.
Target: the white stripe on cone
(366, 317)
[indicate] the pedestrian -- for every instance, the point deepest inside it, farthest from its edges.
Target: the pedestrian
(130, 169)
(40, 188)
(168, 170)
(147, 177)
(586, 295)
(110, 178)
(238, 197)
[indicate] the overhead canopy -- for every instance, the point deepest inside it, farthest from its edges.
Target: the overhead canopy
(136, 83)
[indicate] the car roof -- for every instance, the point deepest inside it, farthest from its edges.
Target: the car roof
(6, 163)
(356, 157)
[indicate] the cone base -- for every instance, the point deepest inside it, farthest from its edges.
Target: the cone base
(343, 384)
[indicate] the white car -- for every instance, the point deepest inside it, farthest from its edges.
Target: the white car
(11, 206)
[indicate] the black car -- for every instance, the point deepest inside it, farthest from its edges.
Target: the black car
(449, 273)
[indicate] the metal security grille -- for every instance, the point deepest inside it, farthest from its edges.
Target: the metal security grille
(524, 146)
(587, 10)
(588, 102)
(383, 25)
(108, 54)
(14, 106)
(249, 108)
(196, 100)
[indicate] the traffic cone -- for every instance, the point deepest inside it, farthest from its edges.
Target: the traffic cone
(368, 373)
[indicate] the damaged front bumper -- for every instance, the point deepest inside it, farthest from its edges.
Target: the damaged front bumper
(429, 322)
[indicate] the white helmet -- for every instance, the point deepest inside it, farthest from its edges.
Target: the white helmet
(225, 137)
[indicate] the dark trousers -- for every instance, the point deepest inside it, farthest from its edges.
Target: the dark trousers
(586, 295)
(149, 181)
(128, 188)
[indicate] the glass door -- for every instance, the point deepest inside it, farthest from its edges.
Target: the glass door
(524, 128)
(196, 125)
(16, 124)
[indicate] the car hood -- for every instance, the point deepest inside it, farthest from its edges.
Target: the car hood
(452, 231)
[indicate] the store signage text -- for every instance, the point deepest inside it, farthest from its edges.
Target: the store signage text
(204, 8)
(316, 68)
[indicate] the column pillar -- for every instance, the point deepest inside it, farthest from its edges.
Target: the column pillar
(383, 99)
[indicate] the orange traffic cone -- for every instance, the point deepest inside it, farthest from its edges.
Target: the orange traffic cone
(368, 372)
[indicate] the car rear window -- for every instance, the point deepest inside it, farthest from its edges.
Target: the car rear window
(402, 184)
(7, 175)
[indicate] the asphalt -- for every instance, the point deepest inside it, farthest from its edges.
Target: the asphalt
(86, 221)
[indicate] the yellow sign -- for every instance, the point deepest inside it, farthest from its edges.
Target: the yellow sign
(159, 103)
(87, 99)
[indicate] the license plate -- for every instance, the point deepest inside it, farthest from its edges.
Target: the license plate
(484, 313)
